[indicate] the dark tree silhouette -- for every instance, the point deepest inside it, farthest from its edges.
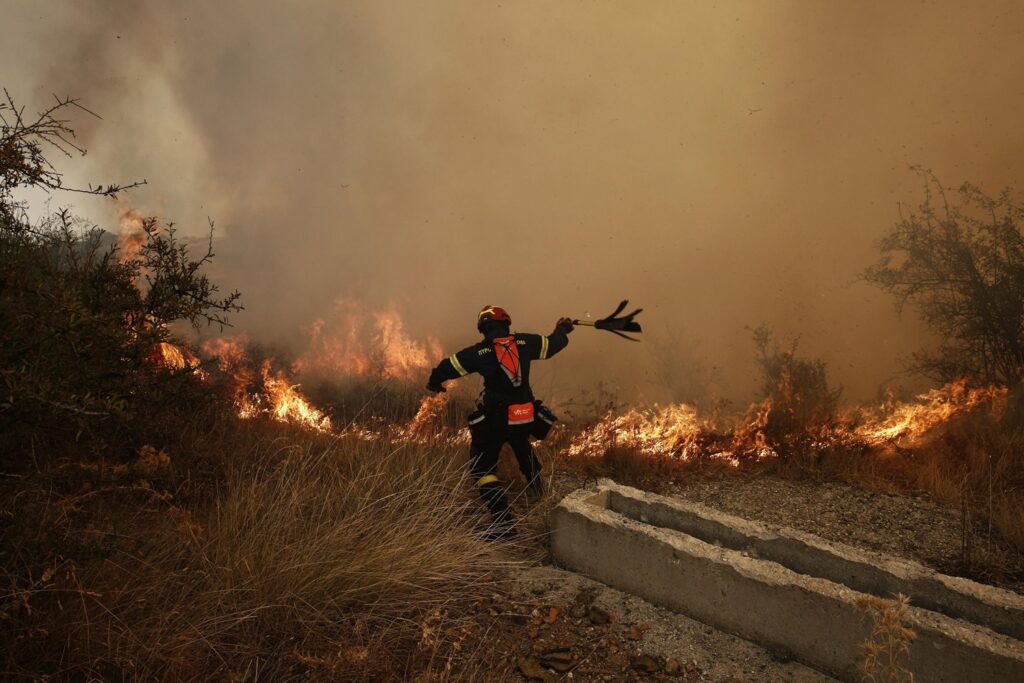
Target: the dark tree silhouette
(959, 260)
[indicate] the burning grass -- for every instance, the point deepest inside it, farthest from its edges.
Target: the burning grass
(293, 543)
(961, 442)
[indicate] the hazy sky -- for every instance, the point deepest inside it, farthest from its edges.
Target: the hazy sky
(722, 164)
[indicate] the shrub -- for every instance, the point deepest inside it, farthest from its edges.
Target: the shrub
(960, 261)
(802, 401)
(81, 320)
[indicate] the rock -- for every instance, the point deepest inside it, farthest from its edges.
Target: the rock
(635, 633)
(645, 663)
(673, 666)
(578, 611)
(560, 659)
(533, 671)
(599, 617)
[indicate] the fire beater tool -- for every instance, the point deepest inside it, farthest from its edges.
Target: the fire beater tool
(616, 325)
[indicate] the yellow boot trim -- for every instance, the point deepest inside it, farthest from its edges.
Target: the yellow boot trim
(487, 479)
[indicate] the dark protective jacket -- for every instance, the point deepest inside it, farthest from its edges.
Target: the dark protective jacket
(499, 389)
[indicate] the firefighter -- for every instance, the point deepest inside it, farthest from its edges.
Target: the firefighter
(507, 411)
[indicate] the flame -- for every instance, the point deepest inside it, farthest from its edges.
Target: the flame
(354, 343)
(673, 430)
(678, 431)
(132, 234)
(401, 356)
(282, 400)
(749, 438)
(177, 357)
(351, 342)
(427, 419)
(258, 390)
(905, 422)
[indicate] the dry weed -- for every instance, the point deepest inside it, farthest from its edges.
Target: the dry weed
(889, 642)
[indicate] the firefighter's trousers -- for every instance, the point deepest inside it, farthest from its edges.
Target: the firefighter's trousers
(484, 449)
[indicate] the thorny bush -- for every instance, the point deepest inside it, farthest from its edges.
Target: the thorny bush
(80, 318)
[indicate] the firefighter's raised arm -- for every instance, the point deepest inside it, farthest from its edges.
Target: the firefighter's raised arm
(543, 347)
(455, 366)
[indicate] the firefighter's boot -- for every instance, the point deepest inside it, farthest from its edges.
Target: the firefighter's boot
(502, 525)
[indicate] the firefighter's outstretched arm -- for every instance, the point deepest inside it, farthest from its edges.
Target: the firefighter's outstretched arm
(542, 348)
(455, 366)
(559, 339)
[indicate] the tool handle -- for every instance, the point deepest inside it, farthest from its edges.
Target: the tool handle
(586, 323)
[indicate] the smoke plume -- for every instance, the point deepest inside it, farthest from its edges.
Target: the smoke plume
(722, 165)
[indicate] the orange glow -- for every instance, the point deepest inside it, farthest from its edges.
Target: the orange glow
(132, 234)
(355, 343)
(677, 431)
(906, 422)
(175, 357)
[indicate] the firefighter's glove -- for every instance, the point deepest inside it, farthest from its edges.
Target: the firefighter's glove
(564, 325)
(436, 388)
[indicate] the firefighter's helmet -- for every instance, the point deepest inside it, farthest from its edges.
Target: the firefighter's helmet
(492, 313)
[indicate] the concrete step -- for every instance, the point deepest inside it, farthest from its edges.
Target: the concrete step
(782, 588)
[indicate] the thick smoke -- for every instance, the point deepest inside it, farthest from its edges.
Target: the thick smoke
(723, 165)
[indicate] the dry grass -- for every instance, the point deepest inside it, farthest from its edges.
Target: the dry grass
(974, 463)
(315, 558)
(888, 646)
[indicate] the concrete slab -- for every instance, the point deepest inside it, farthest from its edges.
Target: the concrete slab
(811, 618)
(867, 572)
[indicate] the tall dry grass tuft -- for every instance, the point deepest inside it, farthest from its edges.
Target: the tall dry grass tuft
(339, 559)
(888, 645)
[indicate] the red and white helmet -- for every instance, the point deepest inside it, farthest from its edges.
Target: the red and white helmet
(492, 313)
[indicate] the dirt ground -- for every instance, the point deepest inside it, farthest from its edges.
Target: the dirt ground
(582, 630)
(553, 625)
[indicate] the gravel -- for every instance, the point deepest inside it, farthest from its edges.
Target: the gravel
(672, 642)
(914, 527)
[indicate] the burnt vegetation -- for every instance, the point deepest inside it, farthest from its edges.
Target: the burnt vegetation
(801, 400)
